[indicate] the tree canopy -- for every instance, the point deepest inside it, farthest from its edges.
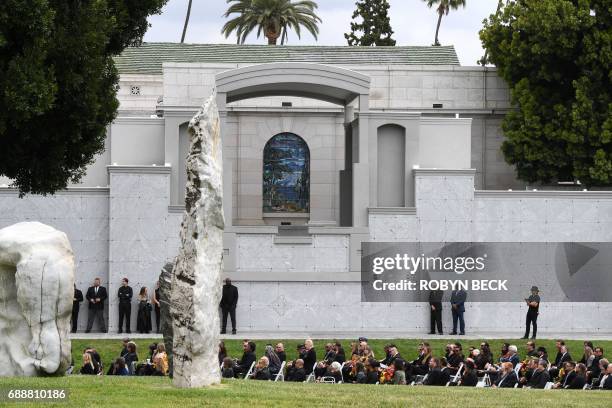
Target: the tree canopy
(58, 84)
(556, 56)
(371, 24)
(272, 18)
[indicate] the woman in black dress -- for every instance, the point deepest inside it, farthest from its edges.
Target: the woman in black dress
(143, 324)
(156, 306)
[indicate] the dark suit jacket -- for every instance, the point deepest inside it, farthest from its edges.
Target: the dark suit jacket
(470, 379)
(229, 298)
(507, 381)
(435, 299)
(569, 377)
(78, 295)
(91, 294)
(539, 379)
(607, 385)
(245, 362)
(576, 383)
(458, 298)
(561, 358)
(435, 377)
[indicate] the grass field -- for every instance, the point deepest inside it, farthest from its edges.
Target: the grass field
(86, 391)
(90, 391)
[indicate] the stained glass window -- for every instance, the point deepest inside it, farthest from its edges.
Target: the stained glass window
(286, 174)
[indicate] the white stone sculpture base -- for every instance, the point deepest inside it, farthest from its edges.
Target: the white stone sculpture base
(36, 291)
(196, 280)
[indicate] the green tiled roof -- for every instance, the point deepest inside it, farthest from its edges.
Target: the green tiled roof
(148, 58)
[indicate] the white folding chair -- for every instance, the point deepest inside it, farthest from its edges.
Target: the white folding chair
(280, 373)
(328, 380)
(549, 385)
(250, 372)
(311, 376)
(484, 381)
(342, 372)
(456, 377)
(517, 369)
(419, 379)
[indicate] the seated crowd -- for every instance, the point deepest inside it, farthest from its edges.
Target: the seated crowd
(454, 368)
(127, 363)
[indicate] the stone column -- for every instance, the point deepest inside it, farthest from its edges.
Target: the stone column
(196, 281)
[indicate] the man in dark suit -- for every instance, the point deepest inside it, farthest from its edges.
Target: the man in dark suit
(458, 298)
(248, 358)
(96, 295)
(435, 304)
(435, 376)
(229, 300)
(540, 376)
(507, 378)
(125, 294)
(77, 298)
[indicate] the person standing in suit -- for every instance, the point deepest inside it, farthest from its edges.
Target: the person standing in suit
(229, 300)
(96, 295)
(125, 294)
(435, 305)
(533, 304)
(77, 298)
(458, 298)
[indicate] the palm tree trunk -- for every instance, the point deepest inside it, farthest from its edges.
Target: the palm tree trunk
(271, 35)
(186, 22)
(436, 42)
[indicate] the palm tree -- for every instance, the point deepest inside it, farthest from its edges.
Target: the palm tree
(271, 17)
(186, 22)
(444, 6)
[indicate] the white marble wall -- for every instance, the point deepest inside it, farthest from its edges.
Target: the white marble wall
(449, 210)
(138, 245)
(259, 253)
(82, 215)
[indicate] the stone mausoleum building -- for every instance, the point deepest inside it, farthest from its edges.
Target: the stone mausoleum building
(324, 148)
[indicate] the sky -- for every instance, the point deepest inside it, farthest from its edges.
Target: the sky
(412, 21)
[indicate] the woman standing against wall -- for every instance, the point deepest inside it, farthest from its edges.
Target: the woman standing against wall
(143, 324)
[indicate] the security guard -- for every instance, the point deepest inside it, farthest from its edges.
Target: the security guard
(125, 305)
(533, 302)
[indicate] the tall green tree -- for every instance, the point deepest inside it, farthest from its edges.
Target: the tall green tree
(443, 7)
(272, 18)
(58, 84)
(556, 56)
(374, 25)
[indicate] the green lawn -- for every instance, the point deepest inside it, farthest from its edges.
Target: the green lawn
(88, 391)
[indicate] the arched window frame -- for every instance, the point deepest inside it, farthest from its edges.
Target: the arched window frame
(301, 204)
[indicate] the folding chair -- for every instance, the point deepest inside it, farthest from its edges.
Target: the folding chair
(587, 387)
(328, 380)
(456, 377)
(549, 385)
(517, 369)
(419, 379)
(484, 381)
(250, 372)
(311, 376)
(342, 372)
(132, 368)
(280, 373)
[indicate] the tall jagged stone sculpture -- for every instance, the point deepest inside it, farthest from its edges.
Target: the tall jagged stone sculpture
(36, 291)
(196, 280)
(165, 291)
